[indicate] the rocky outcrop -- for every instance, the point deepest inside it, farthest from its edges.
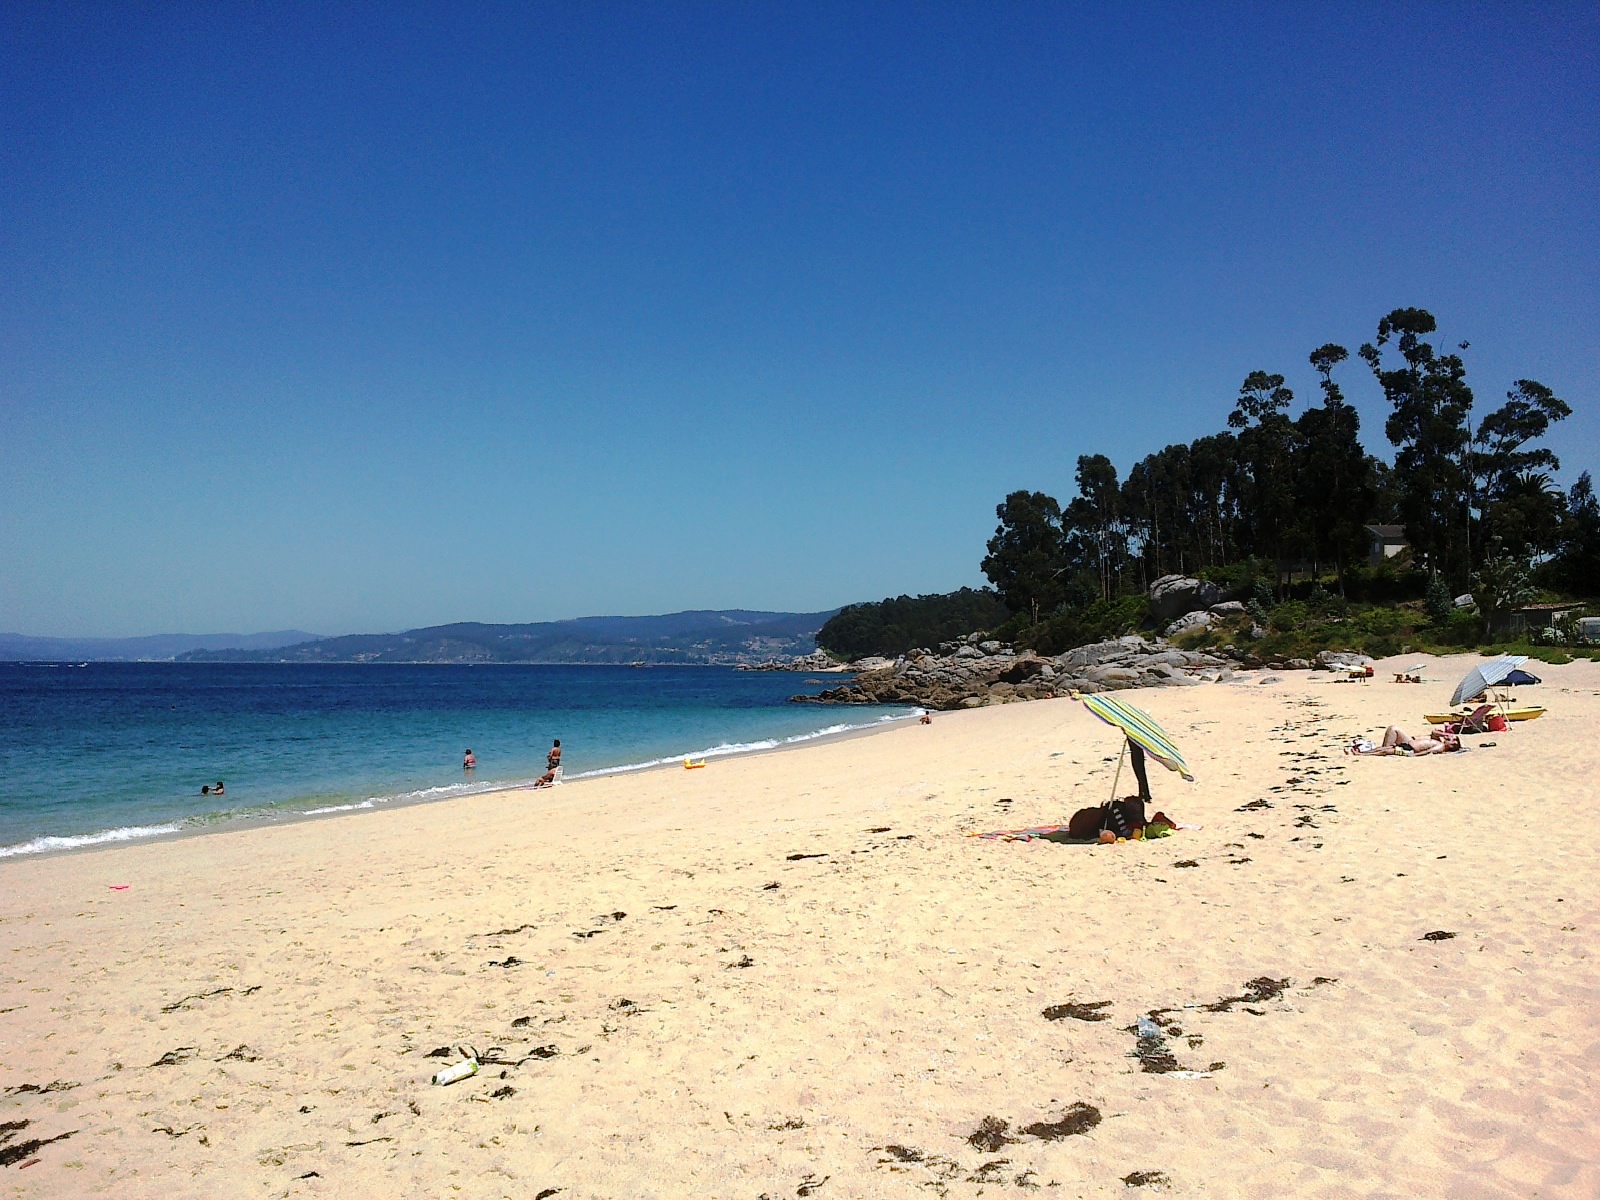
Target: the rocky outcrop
(1173, 595)
(814, 663)
(972, 675)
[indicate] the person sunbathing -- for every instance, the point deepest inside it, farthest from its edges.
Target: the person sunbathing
(1398, 741)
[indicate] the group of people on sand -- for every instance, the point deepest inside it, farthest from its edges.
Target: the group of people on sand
(552, 763)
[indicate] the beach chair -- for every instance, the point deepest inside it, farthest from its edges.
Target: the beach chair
(1476, 721)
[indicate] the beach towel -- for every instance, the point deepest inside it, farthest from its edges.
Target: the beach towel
(1060, 833)
(1047, 833)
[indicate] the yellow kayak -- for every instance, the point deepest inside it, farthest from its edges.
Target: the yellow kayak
(1523, 713)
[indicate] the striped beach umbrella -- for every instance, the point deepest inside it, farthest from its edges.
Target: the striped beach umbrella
(1140, 727)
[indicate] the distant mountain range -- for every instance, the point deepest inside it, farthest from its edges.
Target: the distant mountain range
(726, 637)
(17, 647)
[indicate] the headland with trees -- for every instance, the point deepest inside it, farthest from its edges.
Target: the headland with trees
(1328, 545)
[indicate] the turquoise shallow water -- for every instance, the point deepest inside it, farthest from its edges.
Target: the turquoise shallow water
(116, 751)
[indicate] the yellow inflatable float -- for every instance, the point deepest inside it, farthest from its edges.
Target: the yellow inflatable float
(1526, 712)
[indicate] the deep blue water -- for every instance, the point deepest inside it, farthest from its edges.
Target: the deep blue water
(110, 751)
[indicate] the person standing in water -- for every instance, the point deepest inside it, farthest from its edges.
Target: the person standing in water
(469, 761)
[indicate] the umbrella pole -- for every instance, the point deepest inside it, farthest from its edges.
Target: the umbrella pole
(1117, 778)
(1504, 699)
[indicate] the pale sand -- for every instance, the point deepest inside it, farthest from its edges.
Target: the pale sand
(894, 987)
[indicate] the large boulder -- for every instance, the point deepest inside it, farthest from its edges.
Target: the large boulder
(1340, 660)
(1123, 649)
(1025, 669)
(1173, 595)
(1199, 619)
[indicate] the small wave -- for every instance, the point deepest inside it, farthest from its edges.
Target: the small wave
(128, 833)
(333, 808)
(724, 749)
(415, 796)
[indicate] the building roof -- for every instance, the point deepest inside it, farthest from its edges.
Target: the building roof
(1389, 533)
(1563, 606)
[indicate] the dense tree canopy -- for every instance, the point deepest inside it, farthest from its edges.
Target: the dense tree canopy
(1025, 556)
(897, 624)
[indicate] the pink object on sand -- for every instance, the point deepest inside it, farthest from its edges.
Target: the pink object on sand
(119, 887)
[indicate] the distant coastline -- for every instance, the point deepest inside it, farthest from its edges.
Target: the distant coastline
(720, 637)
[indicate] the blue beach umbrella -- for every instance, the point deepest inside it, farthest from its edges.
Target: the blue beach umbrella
(1485, 675)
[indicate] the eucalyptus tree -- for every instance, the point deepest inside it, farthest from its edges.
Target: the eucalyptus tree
(1429, 425)
(1217, 485)
(1027, 554)
(1333, 484)
(1266, 447)
(1157, 512)
(1092, 523)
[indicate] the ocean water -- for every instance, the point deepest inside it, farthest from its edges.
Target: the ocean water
(106, 752)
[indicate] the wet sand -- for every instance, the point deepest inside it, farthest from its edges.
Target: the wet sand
(793, 975)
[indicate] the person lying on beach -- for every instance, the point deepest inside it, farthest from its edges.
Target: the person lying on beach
(548, 778)
(1398, 741)
(1118, 820)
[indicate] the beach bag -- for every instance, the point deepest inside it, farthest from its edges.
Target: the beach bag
(1497, 724)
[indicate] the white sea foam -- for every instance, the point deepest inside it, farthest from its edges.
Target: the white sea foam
(333, 808)
(724, 749)
(128, 833)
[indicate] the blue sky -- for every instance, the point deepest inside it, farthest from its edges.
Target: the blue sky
(351, 317)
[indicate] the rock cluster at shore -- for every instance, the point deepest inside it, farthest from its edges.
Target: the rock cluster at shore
(813, 663)
(975, 673)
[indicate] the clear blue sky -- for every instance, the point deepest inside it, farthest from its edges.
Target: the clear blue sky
(351, 317)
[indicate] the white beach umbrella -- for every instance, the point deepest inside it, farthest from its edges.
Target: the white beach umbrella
(1485, 675)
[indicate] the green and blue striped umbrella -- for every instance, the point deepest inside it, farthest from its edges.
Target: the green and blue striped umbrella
(1141, 729)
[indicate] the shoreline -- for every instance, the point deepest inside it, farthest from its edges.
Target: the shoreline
(244, 820)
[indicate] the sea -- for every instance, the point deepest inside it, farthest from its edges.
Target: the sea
(103, 752)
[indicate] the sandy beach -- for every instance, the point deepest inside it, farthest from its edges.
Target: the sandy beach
(793, 974)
